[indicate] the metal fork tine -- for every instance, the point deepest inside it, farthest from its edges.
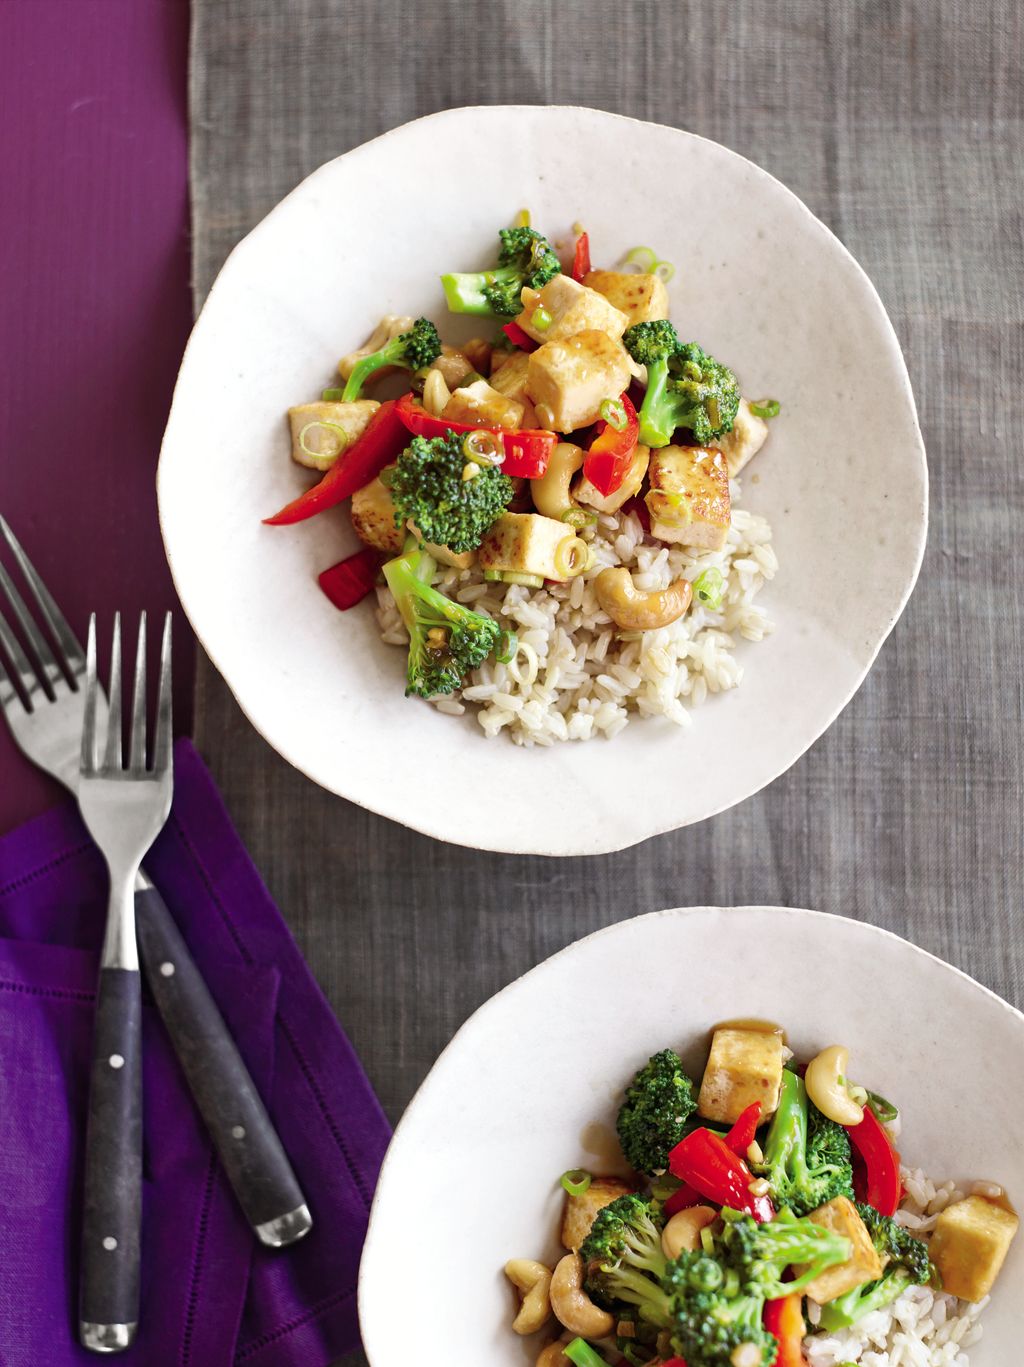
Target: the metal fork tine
(8, 693)
(72, 655)
(162, 739)
(50, 669)
(112, 753)
(27, 676)
(89, 718)
(137, 753)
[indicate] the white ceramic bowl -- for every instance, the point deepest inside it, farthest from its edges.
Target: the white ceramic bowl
(531, 1084)
(760, 282)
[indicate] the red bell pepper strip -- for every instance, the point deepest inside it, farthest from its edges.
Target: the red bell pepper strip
(383, 438)
(526, 453)
(681, 1199)
(352, 579)
(877, 1182)
(742, 1134)
(705, 1161)
(674, 1362)
(611, 452)
(581, 258)
(784, 1318)
(518, 337)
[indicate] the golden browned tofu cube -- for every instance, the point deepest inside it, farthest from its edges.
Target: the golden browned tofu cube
(480, 403)
(970, 1244)
(322, 431)
(373, 517)
(689, 499)
(748, 435)
(569, 380)
(571, 308)
(527, 543)
(511, 378)
(863, 1265)
(641, 297)
(580, 1211)
(744, 1066)
(587, 493)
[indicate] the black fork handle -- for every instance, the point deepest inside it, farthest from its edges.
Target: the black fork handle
(109, 1274)
(248, 1144)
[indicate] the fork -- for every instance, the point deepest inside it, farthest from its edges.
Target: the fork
(124, 810)
(43, 702)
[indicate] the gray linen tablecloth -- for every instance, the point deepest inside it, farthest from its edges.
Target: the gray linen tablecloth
(900, 125)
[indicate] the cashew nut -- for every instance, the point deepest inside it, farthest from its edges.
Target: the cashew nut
(827, 1088)
(435, 393)
(574, 1308)
(635, 611)
(551, 495)
(452, 365)
(682, 1233)
(533, 1279)
(552, 1355)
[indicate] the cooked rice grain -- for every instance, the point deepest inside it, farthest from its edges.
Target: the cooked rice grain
(577, 676)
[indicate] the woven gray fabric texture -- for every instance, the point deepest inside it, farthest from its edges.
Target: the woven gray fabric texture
(900, 125)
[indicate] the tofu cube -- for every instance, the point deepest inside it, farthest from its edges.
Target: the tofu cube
(373, 517)
(689, 496)
(864, 1265)
(970, 1244)
(573, 308)
(569, 380)
(527, 543)
(510, 379)
(390, 326)
(747, 437)
(580, 1211)
(316, 441)
(641, 297)
(481, 403)
(744, 1066)
(585, 492)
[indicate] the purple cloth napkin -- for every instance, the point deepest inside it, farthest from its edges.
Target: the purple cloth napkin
(211, 1296)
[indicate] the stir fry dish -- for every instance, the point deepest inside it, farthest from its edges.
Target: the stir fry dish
(766, 1219)
(548, 513)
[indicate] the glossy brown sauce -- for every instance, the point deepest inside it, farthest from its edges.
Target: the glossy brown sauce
(1003, 1202)
(752, 1023)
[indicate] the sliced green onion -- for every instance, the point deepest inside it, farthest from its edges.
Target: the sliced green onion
(580, 1352)
(614, 413)
(522, 219)
(483, 447)
(662, 1187)
(884, 1110)
(644, 258)
(576, 1181)
(505, 652)
(333, 395)
(664, 270)
(571, 557)
(766, 408)
(541, 319)
(714, 412)
(709, 588)
(470, 378)
(343, 440)
(707, 1240)
(530, 581)
(580, 517)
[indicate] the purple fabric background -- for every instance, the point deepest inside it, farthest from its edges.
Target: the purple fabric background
(210, 1295)
(94, 274)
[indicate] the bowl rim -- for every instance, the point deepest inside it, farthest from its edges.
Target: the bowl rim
(867, 929)
(609, 841)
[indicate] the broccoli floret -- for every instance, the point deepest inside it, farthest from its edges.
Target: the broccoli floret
(760, 1254)
(411, 350)
(906, 1263)
(685, 386)
(623, 1258)
(427, 486)
(525, 258)
(712, 1316)
(652, 1119)
(446, 640)
(806, 1156)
